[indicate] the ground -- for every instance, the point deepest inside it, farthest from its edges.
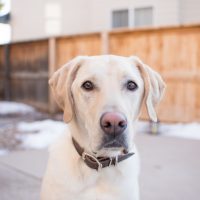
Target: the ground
(13, 120)
(169, 170)
(169, 165)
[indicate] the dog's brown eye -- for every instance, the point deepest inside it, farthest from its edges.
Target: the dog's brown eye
(88, 85)
(131, 85)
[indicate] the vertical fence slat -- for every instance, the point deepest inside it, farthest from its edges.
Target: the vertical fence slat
(105, 42)
(7, 71)
(52, 67)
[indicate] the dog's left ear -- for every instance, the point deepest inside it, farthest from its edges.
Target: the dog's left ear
(153, 84)
(61, 82)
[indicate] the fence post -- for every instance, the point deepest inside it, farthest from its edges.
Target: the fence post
(7, 89)
(105, 42)
(51, 69)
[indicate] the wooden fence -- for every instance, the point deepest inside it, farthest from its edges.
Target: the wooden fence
(175, 53)
(24, 71)
(172, 51)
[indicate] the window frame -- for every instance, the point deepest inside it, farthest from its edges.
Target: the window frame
(143, 8)
(112, 18)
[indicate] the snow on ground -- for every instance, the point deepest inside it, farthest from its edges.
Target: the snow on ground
(181, 130)
(7, 108)
(3, 152)
(189, 131)
(40, 134)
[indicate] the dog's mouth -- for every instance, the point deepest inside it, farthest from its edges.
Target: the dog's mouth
(114, 143)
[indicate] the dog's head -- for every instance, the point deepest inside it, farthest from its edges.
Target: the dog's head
(102, 97)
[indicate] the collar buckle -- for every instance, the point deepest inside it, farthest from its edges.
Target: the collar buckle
(116, 160)
(100, 166)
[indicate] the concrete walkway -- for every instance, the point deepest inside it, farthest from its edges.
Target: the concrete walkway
(170, 170)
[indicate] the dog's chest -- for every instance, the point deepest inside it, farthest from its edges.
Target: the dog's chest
(103, 190)
(107, 186)
(73, 180)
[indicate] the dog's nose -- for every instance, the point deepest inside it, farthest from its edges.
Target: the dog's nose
(113, 123)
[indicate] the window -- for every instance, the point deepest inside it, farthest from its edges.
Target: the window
(53, 15)
(143, 17)
(120, 18)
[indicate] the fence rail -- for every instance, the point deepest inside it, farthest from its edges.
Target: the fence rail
(172, 51)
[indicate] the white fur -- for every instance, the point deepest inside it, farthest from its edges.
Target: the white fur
(67, 177)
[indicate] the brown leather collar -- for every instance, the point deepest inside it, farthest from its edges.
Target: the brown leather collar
(98, 162)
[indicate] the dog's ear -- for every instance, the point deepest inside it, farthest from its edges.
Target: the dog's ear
(61, 82)
(154, 87)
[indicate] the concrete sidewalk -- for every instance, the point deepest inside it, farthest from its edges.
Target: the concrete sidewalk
(170, 170)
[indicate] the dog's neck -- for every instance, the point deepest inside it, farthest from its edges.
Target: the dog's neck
(80, 135)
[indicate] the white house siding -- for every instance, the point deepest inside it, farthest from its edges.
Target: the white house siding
(76, 16)
(165, 12)
(190, 11)
(80, 16)
(29, 20)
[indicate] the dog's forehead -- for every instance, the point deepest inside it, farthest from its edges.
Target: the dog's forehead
(102, 66)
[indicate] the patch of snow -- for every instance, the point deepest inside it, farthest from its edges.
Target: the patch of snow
(181, 130)
(142, 127)
(3, 152)
(40, 134)
(7, 107)
(189, 131)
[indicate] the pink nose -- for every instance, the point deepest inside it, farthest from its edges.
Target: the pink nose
(113, 123)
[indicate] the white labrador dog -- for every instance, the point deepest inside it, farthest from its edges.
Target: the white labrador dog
(101, 97)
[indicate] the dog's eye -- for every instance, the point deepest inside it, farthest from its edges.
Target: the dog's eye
(131, 85)
(88, 85)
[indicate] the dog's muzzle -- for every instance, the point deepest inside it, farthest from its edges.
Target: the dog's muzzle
(113, 125)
